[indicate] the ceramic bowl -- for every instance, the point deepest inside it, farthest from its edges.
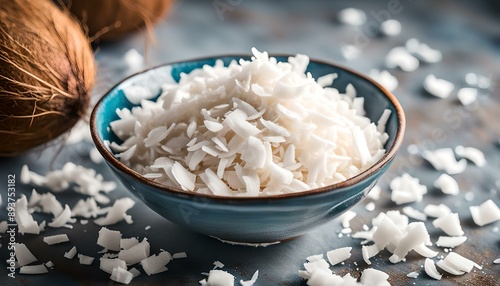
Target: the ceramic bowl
(244, 219)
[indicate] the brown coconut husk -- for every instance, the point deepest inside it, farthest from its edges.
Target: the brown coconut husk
(47, 71)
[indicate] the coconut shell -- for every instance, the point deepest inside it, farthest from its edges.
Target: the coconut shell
(47, 70)
(113, 19)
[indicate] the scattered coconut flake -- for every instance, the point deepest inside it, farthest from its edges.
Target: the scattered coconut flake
(49, 264)
(134, 271)
(346, 217)
(3, 226)
(413, 213)
(459, 262)
(33, 269)
(486, 213)
(416, 235)
(437, 210)
(338, 255)
(55, 239)
(423, 52)
(117, 213)
(447, 184)
(71, 253)
(134, 60)
(156, 263)
(406, 189)
(219, 278)
(85, 260)
(179, 255)
(444, 160)
(314, 257)
(350, 52)
(218, 264)
(400, 57)
(412, 274)
(23, 254)
(450, 241)
(95, 156)
(109, 239)
(121, 275)
(63, 219)
(438, 87)
(108, 264)
(372, 276)
(370, 206)
(136, 253)
(424, 251)
(467, 95)
(478, 80)
(430, 269)
(450, 224)
(496, 261)
(385, 78)
(473, 154)
(351, 16)
(390, 27)
(252, 281)
(24, 220)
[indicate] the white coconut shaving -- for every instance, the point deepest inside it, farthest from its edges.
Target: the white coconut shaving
(390, 27)
(108, 264)
(456, 264)
(109, 239)
(438, 87)
(412, 274)
(414, 214)
(450, 224)
(33, 269)
(134, 60)
(179, 255)
(374, 193)
(351, 16)
(407, 189)
(117, 213)
(250, 129)
(121, 275)
(496, 261)
(85, 260)
(346, 218)
(136, 253)
(156, 263)
(71, 253)
(486, 213)
(23, 254)
(467, 95)
(443, 159)
(252, 280)
(24, 220)
(447, 184)
(385, 78)
(430, 269)
(450, 241)
(437, 210)
(63, 219)
(322, 276)
(56, 239)
(84, 180)
(338, 255)
(423, 52)
(473, 154)
(400, 57)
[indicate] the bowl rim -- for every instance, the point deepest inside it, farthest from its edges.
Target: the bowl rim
(386, 159)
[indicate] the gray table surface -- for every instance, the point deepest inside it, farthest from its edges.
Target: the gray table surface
(468, 35)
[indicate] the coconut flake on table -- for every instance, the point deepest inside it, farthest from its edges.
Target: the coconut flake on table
(252, 280)
(456, 264)
(23, 254)
(443, 159)
(350, 52)
(437, 210)
(134, 60)
(252, 102)
(346, 218)
(450, 241)
(496, 261)
(338, 255)
(85, 260)
(63, 219)
(56, 239)
(109, 239)
(423, 52)
(390, 27)
(450, 224)
(385, 78)
(351, 16)
(413, 213)
(473, 154)
(478, 80)
(46, 203)
(108, 264)
(467, 95)
(155, 263)
(370, 206)
(121, 275)
(71, 253)
(447, 184)
(179, 255)
(486, 213)
(374, 193)
(136, 253)
(430, 269)
(400, 57)
(4, 226)
(438, 87)
(24, 220)
(117, 213)
(412, 274)
(33, 269)
(406, 189)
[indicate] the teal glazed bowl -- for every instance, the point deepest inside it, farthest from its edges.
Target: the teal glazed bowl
(244, 219)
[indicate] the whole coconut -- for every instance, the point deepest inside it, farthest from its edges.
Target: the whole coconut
(47, 70)
(112, 19)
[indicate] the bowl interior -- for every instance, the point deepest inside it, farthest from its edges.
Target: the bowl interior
(377, 99)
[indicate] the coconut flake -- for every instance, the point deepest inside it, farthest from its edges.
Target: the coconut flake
(444, 159)
(458, 262)
(467, 95)
(85, 260)
(450, 241)
(121, 275)
(71, 253)
(400, 57)
(351, 16)
(412, 274)
(108, 264)
(450, 224)
(117, 213)
(486, 213)
(338, 255)
(109, 239)
(406, 189)
(136, 253)
(437, 210)
(156, 263)
(63, 219)
(33, 269)
(423, 51)
(473, 154)
(447, 184)
(24, 220)
(413, 213)
(430, 269)
(23, 254)
(55, 239)
(385, 78)
(438, 87)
